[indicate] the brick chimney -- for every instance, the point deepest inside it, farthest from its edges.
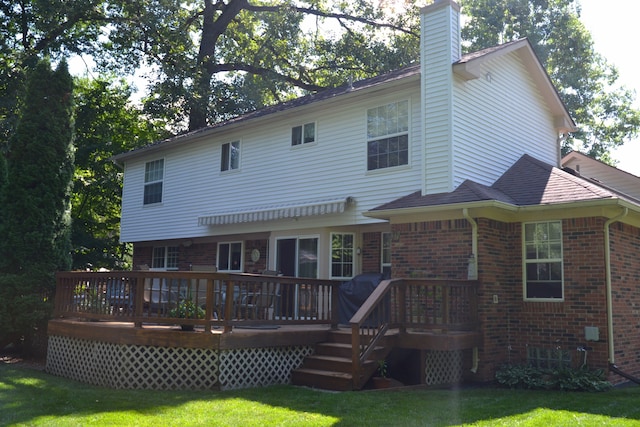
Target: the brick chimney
(440, 48)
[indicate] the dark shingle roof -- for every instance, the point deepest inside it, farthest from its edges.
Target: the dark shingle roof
(528, 182)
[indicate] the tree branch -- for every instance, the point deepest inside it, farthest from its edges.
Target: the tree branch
(316, 12)
(218, 68)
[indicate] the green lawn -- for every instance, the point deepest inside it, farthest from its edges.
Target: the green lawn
(34, 398)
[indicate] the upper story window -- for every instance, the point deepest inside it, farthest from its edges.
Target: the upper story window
(230, 256)
(165, 257)
(388, 135)
(342, 255)
(543, 269)
(230, 158)
(153, 176)
(303, 134)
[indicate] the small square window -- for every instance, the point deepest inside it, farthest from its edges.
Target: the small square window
(303, 134)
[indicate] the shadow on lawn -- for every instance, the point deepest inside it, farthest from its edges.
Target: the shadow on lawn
(28, 394)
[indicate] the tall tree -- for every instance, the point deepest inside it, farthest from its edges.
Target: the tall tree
(587, 83)
(106, 124)
(32, 29)
(36, 212)
(220, 58)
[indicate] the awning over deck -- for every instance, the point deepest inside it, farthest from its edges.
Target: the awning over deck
(279, 211)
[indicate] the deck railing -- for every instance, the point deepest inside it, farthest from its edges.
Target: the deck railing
(227, 300)
(223, 299)
(420, 305)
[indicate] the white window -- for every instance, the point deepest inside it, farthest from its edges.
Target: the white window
(388, 135)
(165, 258)
(230, 256)
(385, 253)
(153, 176)
(230, 158)
(543, 268)
(342, 255)
(303, 134)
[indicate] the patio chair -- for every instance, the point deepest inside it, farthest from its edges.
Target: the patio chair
(117, 295)
(200, 291)
(263, 299)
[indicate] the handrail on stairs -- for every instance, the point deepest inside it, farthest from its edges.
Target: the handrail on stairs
(421, 304)
(368, 326)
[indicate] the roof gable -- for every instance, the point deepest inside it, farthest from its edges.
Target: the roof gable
(469, 66)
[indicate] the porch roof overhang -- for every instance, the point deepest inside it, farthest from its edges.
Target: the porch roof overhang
(278, 211)
(506, 212)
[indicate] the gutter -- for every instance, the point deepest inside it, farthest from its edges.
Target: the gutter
(607, 266)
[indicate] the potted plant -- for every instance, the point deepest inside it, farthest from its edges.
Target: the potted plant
(381, 380)
(187, 309)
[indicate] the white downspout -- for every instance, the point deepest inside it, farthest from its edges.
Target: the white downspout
(607, 267)
(472, 273)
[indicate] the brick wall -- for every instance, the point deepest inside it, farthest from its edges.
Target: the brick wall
(441, 249)
(371, 257)
(206, 254)
(437, 249)
(625, 278)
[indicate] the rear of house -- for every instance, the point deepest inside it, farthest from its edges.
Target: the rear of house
(449, 169)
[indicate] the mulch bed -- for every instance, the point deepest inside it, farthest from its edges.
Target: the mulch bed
(11, 357)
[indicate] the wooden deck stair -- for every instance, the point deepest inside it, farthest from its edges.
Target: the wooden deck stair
(330, 367)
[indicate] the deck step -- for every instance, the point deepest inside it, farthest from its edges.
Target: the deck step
(326, 380)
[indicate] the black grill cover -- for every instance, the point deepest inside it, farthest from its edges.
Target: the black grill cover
(354, 293)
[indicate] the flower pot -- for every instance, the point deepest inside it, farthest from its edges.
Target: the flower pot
(381, 382)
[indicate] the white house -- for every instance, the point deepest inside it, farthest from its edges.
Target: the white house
(286, 187)
(447, 171)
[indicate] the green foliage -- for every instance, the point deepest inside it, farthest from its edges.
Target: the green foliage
(106, 124)
(382, 368)
(35, 198)
(221, 58)
(187, 309)
(565, 379)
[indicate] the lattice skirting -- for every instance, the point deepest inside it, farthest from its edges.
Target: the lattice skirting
(443, 367)
(168, 368)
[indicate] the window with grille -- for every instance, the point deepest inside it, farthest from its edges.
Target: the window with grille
(165, 257)
(388, 135)
(153, 177)
(342, 255)
(543, 266)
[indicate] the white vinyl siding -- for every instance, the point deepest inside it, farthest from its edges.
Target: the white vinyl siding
(272, 173)
(440, 47)
(499, 113)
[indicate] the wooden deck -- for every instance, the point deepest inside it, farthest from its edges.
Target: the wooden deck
(126, 333)
(266, 333)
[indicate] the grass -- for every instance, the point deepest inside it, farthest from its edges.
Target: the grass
(34, 398)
